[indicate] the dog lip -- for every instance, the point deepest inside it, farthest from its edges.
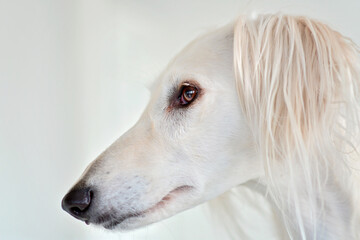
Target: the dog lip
(169, 196)
(109, 224)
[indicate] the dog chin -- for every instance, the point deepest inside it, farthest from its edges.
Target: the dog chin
(174, 202)
(136, 222)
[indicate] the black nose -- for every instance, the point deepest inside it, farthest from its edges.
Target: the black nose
(77, 202)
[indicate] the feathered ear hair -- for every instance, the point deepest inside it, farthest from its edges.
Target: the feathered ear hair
(298, 84)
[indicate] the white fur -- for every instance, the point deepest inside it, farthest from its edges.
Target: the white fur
(279, 107)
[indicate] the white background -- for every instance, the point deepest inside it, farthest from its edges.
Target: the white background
(73, 76)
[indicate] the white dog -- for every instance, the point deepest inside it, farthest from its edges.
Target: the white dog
(273, 99)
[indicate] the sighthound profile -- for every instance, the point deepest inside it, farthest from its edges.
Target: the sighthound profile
(272, 99)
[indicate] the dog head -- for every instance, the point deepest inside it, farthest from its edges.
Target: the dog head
(190, 145)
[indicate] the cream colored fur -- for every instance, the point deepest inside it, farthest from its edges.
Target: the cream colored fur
(298, 83)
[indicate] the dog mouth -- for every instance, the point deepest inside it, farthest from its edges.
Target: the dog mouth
(108, 221)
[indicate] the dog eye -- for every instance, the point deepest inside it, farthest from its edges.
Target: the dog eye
(188, 94)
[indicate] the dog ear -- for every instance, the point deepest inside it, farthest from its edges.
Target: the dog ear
(298, 85)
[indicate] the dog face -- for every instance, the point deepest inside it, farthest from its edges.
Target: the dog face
(190, 145)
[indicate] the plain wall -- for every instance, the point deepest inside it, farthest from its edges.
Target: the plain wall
(73, 77)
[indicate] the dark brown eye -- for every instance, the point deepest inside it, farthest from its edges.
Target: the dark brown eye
(188, 94)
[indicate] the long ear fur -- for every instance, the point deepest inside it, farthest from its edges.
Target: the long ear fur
(298, 84)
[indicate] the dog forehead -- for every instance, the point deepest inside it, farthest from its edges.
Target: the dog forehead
(207, 60)
(206, 52)
(208, 57)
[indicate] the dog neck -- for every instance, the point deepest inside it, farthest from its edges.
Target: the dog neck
(334, 216)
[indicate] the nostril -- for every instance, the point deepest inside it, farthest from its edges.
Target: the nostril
(77, 202)
(76, 211)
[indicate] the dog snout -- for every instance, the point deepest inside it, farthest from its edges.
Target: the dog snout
(77, 201)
